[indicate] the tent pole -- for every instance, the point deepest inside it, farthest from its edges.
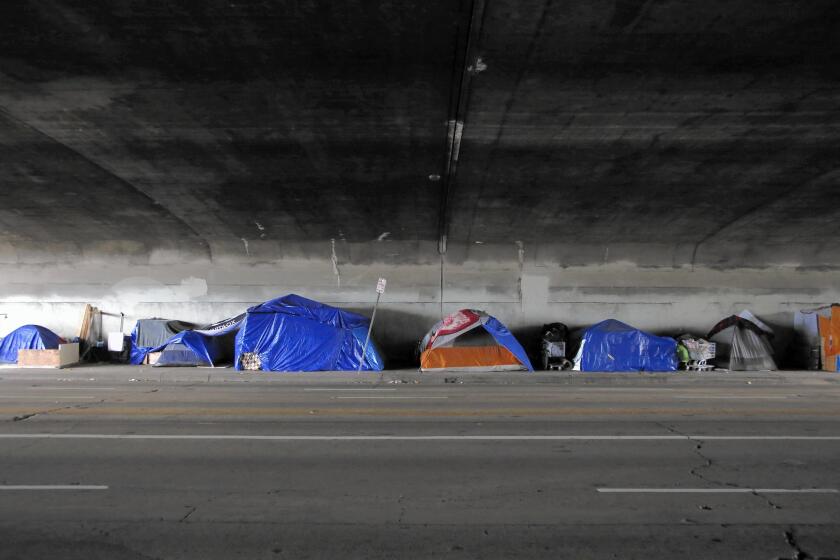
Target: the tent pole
(370, 328)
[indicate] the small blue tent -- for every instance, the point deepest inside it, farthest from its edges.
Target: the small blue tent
(150, 335)
(192, 348)
(27, 337)
(208, 346)
(293, 333)
(613, 346)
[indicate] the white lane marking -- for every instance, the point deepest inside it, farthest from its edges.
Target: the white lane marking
(419, 438)
(584, 389)
(46, 397)
(762, 397)
(718, 490)
(371, 389)
(38, 388)
(51, 487)
(762, 438)
(405, 397)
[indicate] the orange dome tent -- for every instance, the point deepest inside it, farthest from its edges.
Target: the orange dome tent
(471, 340)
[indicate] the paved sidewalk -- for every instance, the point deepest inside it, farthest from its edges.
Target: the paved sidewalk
(139, 374)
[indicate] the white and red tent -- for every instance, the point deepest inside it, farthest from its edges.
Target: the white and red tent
(471, 340)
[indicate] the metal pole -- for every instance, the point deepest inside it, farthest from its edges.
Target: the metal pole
(370, 328)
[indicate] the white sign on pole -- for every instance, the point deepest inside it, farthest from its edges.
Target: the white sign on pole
(380, 289)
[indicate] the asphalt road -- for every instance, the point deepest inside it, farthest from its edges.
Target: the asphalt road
(109, 463)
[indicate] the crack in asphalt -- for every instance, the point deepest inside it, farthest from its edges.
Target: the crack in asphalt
(708, 463)
(192, 510)
(24, 417)
(798, 553)
(402, 509)
(770, 502)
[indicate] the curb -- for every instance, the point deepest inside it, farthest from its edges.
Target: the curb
(149, 374)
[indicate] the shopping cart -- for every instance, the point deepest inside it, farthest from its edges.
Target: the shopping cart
(553, 347)
(699, 352)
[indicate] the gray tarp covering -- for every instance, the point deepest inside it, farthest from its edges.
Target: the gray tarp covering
(154, 332)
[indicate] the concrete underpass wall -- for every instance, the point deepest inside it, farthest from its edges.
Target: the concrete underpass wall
(519, 287)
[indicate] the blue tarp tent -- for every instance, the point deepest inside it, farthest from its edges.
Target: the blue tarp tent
(613, 346)
(293, 333)
(191, 348)
(149, 335)
(208, 346)
(27, 337)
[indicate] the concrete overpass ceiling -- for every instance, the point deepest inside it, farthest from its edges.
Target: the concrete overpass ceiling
(589, 123)
(52, 196)
(652, 121)
(262, 120)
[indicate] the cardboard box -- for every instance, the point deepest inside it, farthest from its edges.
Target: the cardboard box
(65, 355)
(152, 358)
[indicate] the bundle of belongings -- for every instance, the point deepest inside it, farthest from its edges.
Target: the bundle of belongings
(612, 346)
(694, 353)
(743, 343)
(471, 340)
(553, 343)
(290, 333)
(817, 338)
